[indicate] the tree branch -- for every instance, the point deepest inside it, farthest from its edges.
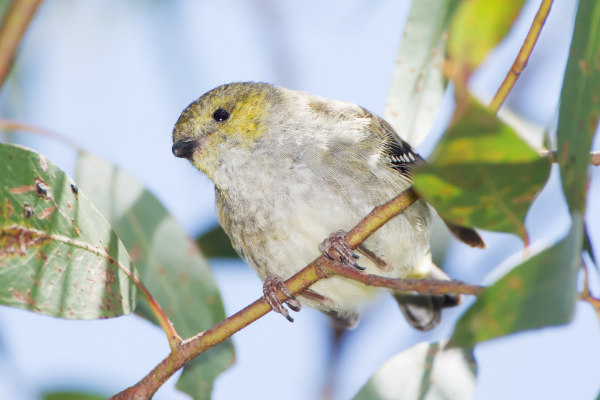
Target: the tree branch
(320, 268)
(521, 61)
(586, 295)
(15, 21)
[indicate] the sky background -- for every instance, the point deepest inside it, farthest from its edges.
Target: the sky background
(114, 75)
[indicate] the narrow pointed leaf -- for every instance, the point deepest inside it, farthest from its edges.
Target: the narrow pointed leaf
(172, 267)
(539, 292)
(482, 174)
(580, 104)
(418, 84)
(425, 371)
(477, 27)
(58, 255)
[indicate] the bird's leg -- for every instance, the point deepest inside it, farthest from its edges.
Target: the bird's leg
(335, 242)
(380, 262)
(272, 284)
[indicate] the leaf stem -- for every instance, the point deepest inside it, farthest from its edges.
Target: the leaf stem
(15, 21)
(320, 268)
(594, 156)
(11, 125)
(521, 61)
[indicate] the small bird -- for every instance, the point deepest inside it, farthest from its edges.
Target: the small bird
(293, 173)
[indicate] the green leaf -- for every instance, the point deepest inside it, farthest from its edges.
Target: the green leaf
(580, 104)
(482, 174)
(539, 292)
(215, 243)
(477, 27)
(425, 371)
(418, 84)
(58, 255)
(71, 396)
(172, 268)
(587, 245)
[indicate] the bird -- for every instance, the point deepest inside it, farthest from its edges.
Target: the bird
(294, 172)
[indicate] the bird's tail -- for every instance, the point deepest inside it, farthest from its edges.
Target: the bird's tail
(423, 312)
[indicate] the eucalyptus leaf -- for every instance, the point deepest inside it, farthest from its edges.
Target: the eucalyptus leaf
(427, 371)
(58, 255)
(477, 27)
(418, 83)
(172, 267)
(482, 174)
(580, 104)
(539, 292)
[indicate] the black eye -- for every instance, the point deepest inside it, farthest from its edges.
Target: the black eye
(221, 115)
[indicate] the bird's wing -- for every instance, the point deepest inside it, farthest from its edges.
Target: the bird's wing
(402, 158)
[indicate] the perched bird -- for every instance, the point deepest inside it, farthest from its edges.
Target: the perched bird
(293, 172)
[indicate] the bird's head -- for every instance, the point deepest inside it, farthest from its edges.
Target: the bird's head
(228, 117)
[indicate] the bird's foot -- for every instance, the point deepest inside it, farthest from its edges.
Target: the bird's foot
(272, 284)
(335, 242)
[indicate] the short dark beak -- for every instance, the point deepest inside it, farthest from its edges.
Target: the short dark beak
(184, 148)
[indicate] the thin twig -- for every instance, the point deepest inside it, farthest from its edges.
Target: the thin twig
(15, 21)
(521, 61)
(11, 125)
(422, 286)
(586, 295)
(319, 269)
(594, 156)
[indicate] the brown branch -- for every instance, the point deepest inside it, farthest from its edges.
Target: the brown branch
(319, 269)
(551, 154)
(521, 61)
(15, 21)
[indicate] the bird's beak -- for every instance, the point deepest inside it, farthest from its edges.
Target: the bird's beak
(184, 148)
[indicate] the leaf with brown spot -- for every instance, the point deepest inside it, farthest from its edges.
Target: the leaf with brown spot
(579, 112)
(539, 292)
(171, 267)
(43, 258)
(476, 176)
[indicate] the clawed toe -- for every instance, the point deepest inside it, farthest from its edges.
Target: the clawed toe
(336, 242)
(272, 284)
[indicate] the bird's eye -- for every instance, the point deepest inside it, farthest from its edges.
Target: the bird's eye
(221, 115)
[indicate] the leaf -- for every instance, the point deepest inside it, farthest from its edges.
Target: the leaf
(477, 27)
(71, 396)
(173, 269)
(482, 174)
(587, 245)
(58, 255)
(418, 83)
(580, 104)
(539, 292)
(426, 371)
(215, 243)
